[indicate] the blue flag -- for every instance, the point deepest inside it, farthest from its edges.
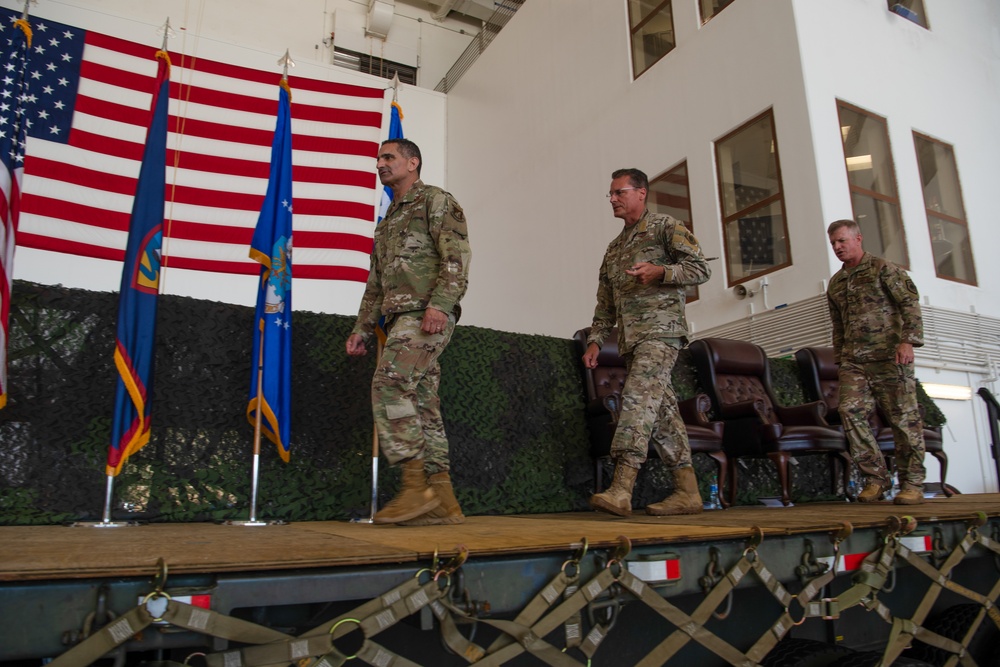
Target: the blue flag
(271, 383)
(395, 132)
(136, 335)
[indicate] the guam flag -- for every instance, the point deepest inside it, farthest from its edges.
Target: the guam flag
(136, 336)
(271, 382)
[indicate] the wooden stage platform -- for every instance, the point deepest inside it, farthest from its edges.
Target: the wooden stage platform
(55, 579)
(34, 553)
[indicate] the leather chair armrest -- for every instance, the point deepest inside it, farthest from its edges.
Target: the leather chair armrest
(753, 408)
(695, 410)
(807, 414)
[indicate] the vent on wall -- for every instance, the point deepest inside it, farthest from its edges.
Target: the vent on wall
(954, 340)
(359, 62)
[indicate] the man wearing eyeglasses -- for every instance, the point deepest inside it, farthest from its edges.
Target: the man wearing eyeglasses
(641, 290)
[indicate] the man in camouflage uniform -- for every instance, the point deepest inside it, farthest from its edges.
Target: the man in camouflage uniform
(419, 273)
(875, 311)
(641, 289)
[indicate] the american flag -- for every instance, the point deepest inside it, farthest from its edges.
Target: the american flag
(88, 112)
(756, 242)
(15, 39)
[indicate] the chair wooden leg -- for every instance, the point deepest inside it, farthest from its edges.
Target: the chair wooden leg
(722, 463)
(733, 479)
(846, 461)
(780, 460)
(943, 460)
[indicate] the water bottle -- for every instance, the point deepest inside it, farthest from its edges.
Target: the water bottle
(713, 495)
(890, 493)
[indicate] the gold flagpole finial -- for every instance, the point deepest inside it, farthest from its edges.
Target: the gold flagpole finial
(285, 61)
(167, 33)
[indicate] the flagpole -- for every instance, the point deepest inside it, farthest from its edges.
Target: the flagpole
(286, 61)
(395, 132)
(374, 501)
(255, 470)
(106, 521)
(143, 196)
(255, 467)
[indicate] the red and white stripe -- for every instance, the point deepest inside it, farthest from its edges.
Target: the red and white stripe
(77, 197)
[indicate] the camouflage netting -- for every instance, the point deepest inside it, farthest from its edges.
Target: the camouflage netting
(513, 407)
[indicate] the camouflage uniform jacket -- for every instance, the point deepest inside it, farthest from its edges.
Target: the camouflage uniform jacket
(654, 311)
(874, 307)
(420, 259)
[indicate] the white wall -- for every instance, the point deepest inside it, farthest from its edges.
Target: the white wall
(569, 98)
(550, 109)
(253, 34)
(549, 113)
(944, 83)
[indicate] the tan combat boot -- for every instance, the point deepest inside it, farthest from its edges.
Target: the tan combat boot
(447, 512)
(618, 498)
(909, 496)
(684, 500)
(414, 499)
(872, 492)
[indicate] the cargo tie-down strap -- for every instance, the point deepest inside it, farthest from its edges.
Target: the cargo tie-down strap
(559, 605)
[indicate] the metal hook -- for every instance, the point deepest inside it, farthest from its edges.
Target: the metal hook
(623, 549)
(160, 581)
(458, 560)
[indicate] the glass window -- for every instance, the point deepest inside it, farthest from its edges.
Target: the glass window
(949, 229)
(909, 9)
(755, 231)
(710, 8)
(652, 26)
(872, 180)
(669, 193)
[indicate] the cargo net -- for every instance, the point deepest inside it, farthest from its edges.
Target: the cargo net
(513, 407)
(551, 627)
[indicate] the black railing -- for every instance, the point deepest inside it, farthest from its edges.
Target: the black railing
(993, 412)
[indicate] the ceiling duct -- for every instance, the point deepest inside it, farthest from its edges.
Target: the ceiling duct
(480, 10)
(380, 13)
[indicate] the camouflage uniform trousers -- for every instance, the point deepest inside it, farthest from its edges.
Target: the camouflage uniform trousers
(893, 386)
(649, 409)
(405, 400)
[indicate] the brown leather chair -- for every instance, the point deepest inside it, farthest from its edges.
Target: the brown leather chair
(821, 381)
(736, 375)
(604, 386)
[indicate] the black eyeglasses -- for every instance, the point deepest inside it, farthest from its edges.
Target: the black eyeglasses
(619, 191)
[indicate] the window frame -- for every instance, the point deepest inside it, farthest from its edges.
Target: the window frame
(872, 194)
(930, 213)
(706, 19)
(907, 6)
(776, 198)
(669, 4)
(692, 291)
